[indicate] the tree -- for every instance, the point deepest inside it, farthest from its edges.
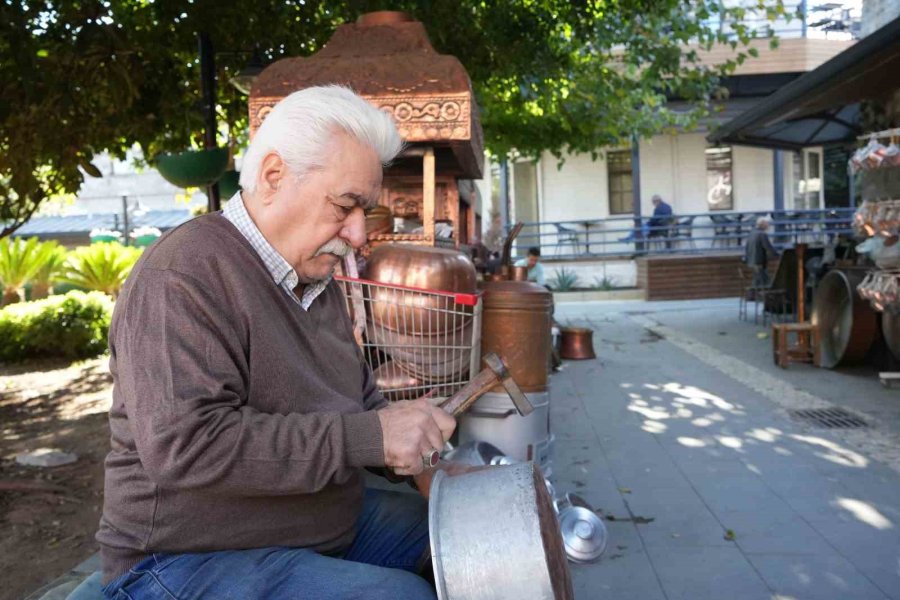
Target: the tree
(85, 76)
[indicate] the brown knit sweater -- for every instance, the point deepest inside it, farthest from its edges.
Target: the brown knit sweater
(238, 419)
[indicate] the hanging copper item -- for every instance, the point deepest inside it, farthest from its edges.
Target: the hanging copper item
(516, 322)
(387, 58)
(577, 343)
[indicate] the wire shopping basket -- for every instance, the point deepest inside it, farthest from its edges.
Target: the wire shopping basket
(415, 340)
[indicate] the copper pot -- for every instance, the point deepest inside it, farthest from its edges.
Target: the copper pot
(577, 343)
(847, 323)
(421, 267)
(520, 273)
(426, 358)
(516, 322)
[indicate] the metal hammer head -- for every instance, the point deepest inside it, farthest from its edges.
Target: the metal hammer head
(496, 364)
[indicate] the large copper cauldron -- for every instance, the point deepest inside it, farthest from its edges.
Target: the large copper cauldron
(416, 330)
(419, 267)
(516, 325)
(847, 323)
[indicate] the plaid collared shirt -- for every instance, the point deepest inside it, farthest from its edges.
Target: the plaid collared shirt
(282, 272)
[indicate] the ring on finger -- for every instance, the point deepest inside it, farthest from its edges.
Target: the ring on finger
(430, 459)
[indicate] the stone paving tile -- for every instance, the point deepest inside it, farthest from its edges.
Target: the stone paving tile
(619, 576)
(815, 576)
(773, 531)
(706, 573)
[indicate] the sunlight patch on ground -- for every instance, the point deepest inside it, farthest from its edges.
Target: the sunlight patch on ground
(650, 413)
(654, 427)
(691, 442)
(730, 441)
(865, 512)
(836, 454)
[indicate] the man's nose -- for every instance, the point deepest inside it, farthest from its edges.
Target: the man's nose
(354, 230)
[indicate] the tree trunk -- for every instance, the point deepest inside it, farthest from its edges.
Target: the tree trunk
(10, 296)
(40, 290)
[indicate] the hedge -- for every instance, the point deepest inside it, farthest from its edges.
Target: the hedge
(71, 326)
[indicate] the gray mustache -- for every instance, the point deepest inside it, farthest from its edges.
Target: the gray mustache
(337, 246)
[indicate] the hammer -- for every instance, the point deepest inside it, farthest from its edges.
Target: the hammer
(495, 372)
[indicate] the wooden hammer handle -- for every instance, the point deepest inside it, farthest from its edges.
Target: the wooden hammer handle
(459, 402)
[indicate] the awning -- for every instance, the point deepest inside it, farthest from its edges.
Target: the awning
(822, 106)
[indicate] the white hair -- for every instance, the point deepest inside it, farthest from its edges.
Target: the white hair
(301, 126)
(762, 222)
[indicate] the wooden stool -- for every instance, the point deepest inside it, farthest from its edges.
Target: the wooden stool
(805, 348)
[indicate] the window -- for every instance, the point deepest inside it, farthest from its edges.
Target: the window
(718, 179)
(807, 175)
(618, 165)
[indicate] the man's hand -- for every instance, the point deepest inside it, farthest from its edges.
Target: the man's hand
(412, 429)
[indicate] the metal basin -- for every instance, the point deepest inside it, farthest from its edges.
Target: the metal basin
(847, 323)
(494, 536)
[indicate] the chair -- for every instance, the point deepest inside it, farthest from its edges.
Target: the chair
(684, 230)
(660, 236)
(565, 235)
(757, 295)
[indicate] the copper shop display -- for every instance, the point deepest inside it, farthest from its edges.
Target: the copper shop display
(577, 343)
(387, 58)
(847, 323)
(516, 325)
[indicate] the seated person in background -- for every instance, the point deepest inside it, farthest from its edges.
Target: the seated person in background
(759, 251)
(661, 219)
(535, 268)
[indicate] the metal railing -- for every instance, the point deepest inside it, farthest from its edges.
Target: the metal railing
(711, 232)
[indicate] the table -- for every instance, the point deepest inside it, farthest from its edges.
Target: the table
(587, 234)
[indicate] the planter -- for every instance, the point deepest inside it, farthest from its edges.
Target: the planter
(229, 184)
(142, 241)
(193, 168)
(105, 238)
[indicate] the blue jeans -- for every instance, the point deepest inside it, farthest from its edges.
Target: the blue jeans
(381, 564)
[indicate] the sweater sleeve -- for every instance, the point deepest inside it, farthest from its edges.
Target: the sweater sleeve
(182, 372)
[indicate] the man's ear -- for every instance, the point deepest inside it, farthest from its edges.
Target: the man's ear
(272, 172)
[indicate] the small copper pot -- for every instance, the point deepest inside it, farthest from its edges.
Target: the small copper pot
(577, 343)
(520, 273)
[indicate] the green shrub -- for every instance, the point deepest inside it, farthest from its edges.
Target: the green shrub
(564, 280)
(20, 260)
(100, 267)
(605, 283)
(71, 326)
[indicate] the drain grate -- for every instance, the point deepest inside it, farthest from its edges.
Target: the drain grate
(829, 418)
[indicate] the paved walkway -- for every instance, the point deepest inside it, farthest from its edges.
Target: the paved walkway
(680, 431)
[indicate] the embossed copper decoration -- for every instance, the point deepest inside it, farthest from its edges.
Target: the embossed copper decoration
(516, 321)
(386, 58)
(577, 343)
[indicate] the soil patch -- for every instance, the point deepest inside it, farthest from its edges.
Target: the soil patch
(48, 516)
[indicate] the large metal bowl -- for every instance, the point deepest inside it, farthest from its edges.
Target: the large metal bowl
(847, 324)
(420, 267)
(494, 536)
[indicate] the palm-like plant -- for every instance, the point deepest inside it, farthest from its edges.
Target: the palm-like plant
(19, 261)
(50, 271)
(101, 267)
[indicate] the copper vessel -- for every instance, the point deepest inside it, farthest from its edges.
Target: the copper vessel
(520, 273)
(577, 343)
(421, 267)
(847, 323)
(516, 321)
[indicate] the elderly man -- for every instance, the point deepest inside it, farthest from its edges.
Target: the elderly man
(758, 252)
(243, 413)
(661, 220)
